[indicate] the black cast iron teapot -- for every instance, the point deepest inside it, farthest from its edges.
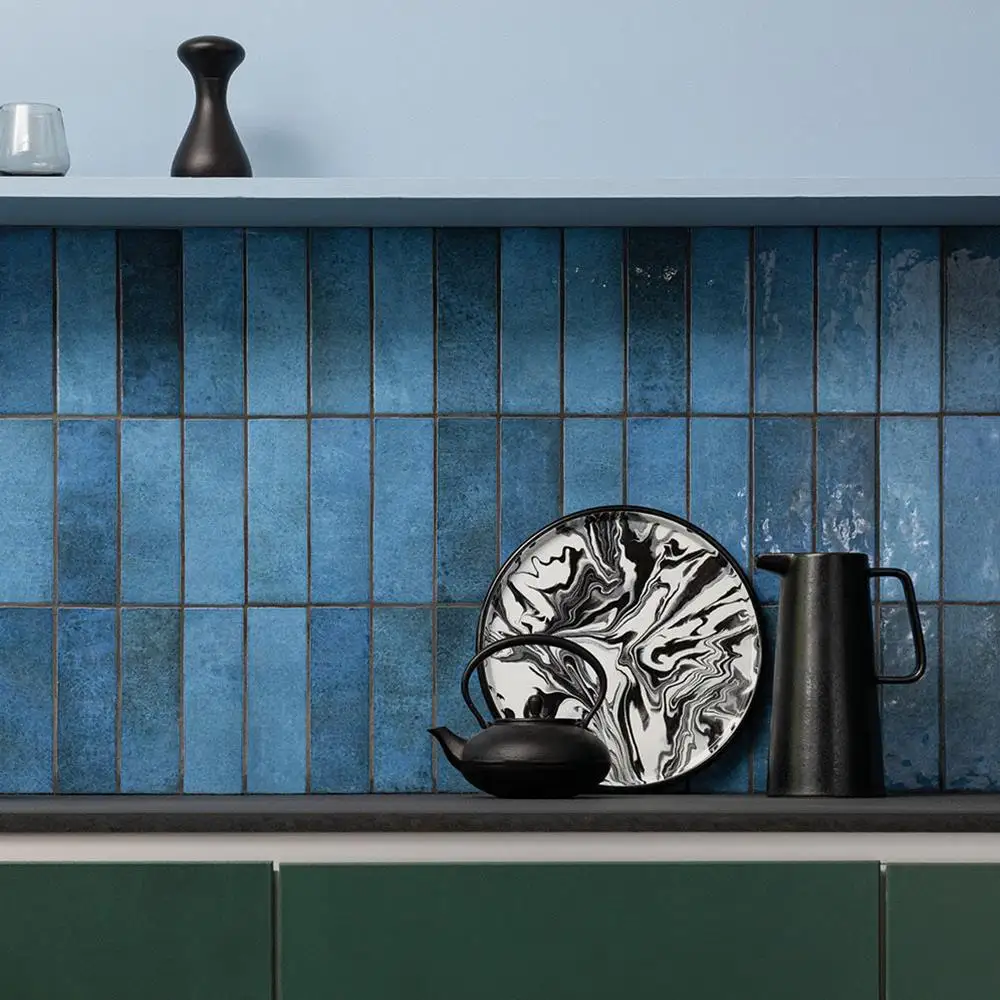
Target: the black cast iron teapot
(530, 758)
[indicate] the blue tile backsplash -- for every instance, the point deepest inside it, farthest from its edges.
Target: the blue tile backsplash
(254, 485)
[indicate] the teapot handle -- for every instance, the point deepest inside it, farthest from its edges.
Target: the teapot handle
(536, 640)
(915, 629)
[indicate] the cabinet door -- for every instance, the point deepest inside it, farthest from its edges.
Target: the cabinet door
(121, 932)
(942, 926)
(767, 931)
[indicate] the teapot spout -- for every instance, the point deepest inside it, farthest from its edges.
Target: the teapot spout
(776, 562)
(451, 744)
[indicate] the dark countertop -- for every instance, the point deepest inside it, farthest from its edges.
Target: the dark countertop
(480, 814)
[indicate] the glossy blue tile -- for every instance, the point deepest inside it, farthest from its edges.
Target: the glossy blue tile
(151, 700)
(758, 722)
(910, 513)
(403, 264)
(403, 528)
(847, 337)
(276, 700)
(657, 463)
(277, 511)
(88, 511)
(213, 321)
(783, 326)
(530, 319)
(467, 320)
(213, 512)
(594, 336)
(87, 276)
(25, 700)
(277, 348)
(972, 698)
(340, 510)
(720, 320)
(592, 463)
(150, 264)
(529, 478)
(151, 511)
(657, 320)
(26, 510)
(466, 508)
(26, 321)
(911, 320)
(720, 470)
(910, 731)
(213, 700)
(402, 707)
(456, 645)
(88, 700)
(339, 716)
(783, 501)
(971, 508)
(340, 286)
(845, 495)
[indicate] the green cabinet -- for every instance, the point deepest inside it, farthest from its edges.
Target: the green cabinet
(120, 932)
(726, 931)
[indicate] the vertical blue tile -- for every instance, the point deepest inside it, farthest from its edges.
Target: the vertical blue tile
(88, 699)
(971, 698)
(466, 508)
(213, 321)
(728, 772)
(277, 511)
(87, 278)
(404, 320)
(340, 510)
(151, 511)
(339, 716)
(783, 502)
(911, 320)
(26, 490)
(88, 511)
(151, 695)
(26, 321)
(456, 645)
(972, 318)
(972, 508)
(277, 347)
(276, 700)
(594, 321)
(404, 510)
(910, 731)
(908, 476)
(758, 722)
(150, 262)
(25, 700)
(402, 699)
(340, 283)
(213, 512)
(720, 470)
(467, 320)
(529, 478)
(213, 700)
(592, 463)
(847, 319)
(783, 330)
(720, 320)
(845, 519)
(530, 319)
(657, 320)
(657, 463)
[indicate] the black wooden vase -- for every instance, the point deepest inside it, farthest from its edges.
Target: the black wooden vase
(211, 147)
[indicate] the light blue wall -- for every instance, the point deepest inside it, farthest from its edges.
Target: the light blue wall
(643, 88)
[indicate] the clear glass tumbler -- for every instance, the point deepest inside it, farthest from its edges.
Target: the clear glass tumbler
(32, 141)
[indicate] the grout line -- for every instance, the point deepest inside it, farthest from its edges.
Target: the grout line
(688, 295)
(499, 426)
(309, 539)
(149, 606)
(246, 522)
(435, 305)
(119, 546)
(562, 372)
(815, 387)
(942, 384)
(182, 410)
(55, 515)
(626, 287)
(371, 510)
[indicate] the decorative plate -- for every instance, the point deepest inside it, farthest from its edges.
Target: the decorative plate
(667, 611)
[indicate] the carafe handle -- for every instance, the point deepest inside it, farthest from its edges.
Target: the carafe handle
(915, 629)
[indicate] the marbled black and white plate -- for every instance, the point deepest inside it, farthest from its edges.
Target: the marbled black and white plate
(666, 610)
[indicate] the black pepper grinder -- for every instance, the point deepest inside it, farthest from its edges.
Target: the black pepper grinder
(211, 147)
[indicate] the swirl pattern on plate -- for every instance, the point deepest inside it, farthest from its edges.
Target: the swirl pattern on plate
(664, 609)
